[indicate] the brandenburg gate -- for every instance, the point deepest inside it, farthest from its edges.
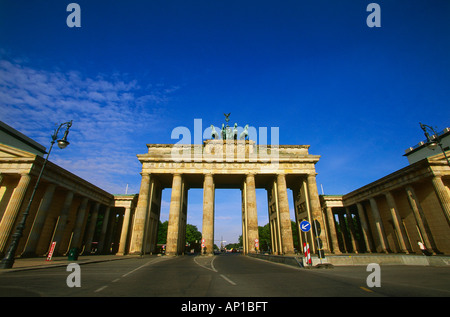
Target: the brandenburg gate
(226, 161)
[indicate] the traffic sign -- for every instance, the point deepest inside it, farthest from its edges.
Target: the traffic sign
(305, 226)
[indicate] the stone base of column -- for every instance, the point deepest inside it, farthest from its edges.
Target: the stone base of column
(135, 253)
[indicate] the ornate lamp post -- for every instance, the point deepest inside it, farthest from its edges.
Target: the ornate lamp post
(8, 260)
(432, 144)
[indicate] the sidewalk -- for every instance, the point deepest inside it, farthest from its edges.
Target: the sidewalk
(21, 264)
(350, 259)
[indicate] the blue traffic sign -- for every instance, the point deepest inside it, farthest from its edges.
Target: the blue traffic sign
(305, 226)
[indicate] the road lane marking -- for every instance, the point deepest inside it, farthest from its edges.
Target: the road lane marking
(144, 265)
(100, 289)
(212, 268)
(212, 264)
(227, 279)
(366, 289)
(132, 271)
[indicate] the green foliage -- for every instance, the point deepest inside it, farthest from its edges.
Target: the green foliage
(192, 233)
(264, 238)
(162, 232)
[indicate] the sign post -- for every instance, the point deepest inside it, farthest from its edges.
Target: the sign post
(50, 253)
(307, 254)
(305, 226)
(319, 242)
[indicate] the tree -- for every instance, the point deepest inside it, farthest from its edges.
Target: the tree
(264, 238)
(162, 232)
(192, 234)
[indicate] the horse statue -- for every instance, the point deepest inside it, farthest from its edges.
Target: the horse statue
(244, 134)
(235, 132)
(214, 134)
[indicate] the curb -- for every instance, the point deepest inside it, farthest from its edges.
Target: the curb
(65, 263)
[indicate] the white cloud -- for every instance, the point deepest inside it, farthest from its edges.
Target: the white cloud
(109, 116)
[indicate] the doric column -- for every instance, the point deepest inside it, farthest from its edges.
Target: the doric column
(332, 233)
(352, 229)
(208, 214)
(285, 217)
(401, 234)
(421, 220)
(364, 227)
(12, 210)
(124, 232)
(39, 220)
(140, 216)
(79, 222)
(111, 245)
(252, 216)
(443, 195)
(91, 228)
(344, 232)
(183, 219)
(316, 210)
(154, 213)
(61, 226)
(379, 225)
(244, 218)
(102, 239)
(174, 216)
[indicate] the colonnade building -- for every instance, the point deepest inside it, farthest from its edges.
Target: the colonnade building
(387, 216)
(66, 209)
(394, 213)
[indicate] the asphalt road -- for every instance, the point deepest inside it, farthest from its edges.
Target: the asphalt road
(226, 276)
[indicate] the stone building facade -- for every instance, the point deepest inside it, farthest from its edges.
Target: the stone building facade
(394, 213)
(66, 209)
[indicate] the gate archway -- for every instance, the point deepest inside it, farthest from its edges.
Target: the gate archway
(225, 163)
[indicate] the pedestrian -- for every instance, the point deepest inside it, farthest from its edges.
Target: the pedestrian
(423, 248)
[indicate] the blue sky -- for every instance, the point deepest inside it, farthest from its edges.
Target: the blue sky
(135, 70)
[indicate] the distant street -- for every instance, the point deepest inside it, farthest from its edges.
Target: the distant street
(227, 275)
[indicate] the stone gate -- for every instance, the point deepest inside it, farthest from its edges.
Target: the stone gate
(226, 163)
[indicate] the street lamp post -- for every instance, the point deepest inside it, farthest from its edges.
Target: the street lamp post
(8, 260)
(432, 144)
